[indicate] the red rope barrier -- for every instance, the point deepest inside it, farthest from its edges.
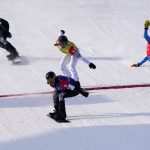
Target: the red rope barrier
(87, 89)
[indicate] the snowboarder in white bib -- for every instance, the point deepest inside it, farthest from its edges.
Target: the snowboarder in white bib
(72, 55)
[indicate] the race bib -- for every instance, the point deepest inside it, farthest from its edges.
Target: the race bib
(72, 50)
(64, 84)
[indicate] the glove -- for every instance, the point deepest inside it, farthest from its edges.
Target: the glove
(9, 35)
(56, 44)
(92, 66)
(85, 94)
(80, 90)
(146, 24)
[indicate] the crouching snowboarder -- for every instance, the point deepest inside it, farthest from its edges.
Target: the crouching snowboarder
(4, 34)
(64, 87)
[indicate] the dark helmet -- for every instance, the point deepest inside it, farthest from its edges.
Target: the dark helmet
(50, 75)
(63, 39)
(4, 24)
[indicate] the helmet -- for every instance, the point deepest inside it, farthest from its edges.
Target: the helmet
(50, 75)
(63, 39)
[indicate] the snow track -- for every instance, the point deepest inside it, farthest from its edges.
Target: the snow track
(110, 34)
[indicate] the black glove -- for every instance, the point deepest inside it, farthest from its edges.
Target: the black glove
(85, 94)
(9, 35)
(92, 66)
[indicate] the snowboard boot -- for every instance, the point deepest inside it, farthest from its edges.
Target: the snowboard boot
(55, 112)
(52, 114)
(135, 65)
(12, 50)
(12, 56)
(61, 115)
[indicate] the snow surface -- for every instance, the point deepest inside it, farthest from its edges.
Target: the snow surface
(110, 34)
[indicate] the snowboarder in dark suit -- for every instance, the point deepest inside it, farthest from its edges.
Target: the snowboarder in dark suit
(4, 34)
(64, 87)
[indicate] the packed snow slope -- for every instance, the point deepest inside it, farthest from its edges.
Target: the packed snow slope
(110, 34)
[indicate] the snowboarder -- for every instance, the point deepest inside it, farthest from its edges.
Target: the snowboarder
(147, 38)
(64, 87)
(71, 57)
(4, 34)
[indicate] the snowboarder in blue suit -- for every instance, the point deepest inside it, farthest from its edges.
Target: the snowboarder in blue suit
(147, 38)
(64, 87)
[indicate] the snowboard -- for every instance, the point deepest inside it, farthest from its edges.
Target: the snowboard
(59, 121)
(134, 65)
(17, 60)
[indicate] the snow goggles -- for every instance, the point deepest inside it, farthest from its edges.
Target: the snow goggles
(63, 44)
(51, 81)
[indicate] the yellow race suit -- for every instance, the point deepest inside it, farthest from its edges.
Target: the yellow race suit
(70, 48)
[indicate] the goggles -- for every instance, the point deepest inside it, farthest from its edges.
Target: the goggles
(51, 82)
(63, 44)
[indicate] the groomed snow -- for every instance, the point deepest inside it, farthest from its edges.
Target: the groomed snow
(110, 34)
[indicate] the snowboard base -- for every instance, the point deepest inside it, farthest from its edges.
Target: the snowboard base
(59, 121)
(17, 60)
